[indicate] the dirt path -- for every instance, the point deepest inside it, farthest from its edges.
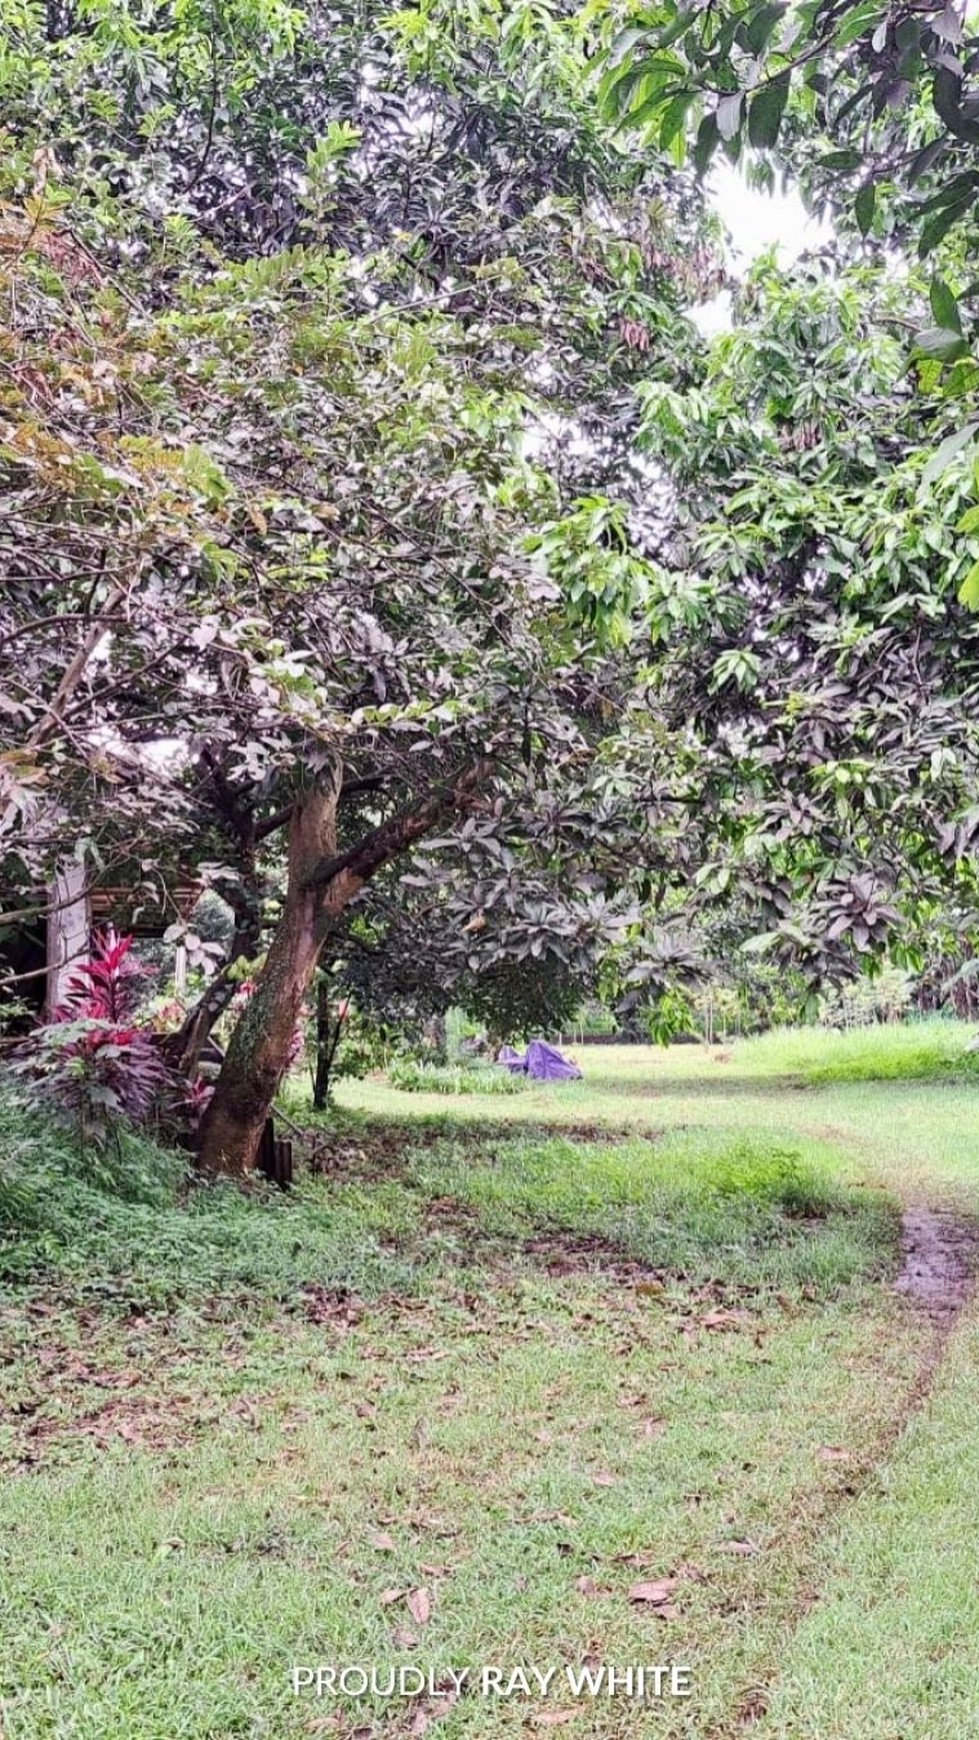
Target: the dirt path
(939, 1258)
(938, 1275)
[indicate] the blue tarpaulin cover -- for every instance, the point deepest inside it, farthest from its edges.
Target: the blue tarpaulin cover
(542, 1061)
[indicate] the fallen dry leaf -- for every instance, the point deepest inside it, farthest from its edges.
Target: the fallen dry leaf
(423, 1718)
(741, 1547)
(586, 1586)
(420, 1606)
(653, 1594)
(552, 1718)
(832, 1453)
(389, 1596)
(384, 1543)
(604, 1479)
(722, 1320)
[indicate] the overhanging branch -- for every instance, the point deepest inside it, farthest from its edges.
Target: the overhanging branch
(395, 836)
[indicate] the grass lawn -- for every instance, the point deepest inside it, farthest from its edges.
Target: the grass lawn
(604, 1373)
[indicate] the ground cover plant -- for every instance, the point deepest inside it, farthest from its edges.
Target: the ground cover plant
(629, 1386)
(453, 1078)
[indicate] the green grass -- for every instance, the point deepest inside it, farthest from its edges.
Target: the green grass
(696, 1208)
(112, 1229)
(924, 1051)
(522, 1354)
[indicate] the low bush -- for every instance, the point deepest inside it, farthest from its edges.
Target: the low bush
(469, 1078)
(99, 1069)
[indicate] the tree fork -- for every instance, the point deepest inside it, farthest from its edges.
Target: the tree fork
(321, 883)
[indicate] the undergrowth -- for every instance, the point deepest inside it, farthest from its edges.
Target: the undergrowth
(117, 1227)
(468, 1078)
(127, 1227)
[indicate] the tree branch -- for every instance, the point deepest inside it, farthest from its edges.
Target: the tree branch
(393, 837)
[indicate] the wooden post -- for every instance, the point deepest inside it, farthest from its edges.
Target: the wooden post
(69, 930)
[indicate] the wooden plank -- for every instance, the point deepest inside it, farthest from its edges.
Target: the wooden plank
(69, 930)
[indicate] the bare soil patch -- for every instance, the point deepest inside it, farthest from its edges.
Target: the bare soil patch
(940, 1255)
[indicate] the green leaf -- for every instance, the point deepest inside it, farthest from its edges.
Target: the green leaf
(707, 138)
(969, 589)
(861, 20)
(938, 341)
(938, 227)
(758, 30)
(765, 113)
(945, 452)
(674, 120)
(624, 44)
(944, 306)
(863, 207)
(924, 160)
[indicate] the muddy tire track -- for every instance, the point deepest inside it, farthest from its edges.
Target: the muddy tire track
(938, 1276)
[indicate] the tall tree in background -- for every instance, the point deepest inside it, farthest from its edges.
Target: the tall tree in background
(826, 665)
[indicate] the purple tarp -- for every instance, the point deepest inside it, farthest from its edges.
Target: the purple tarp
(512, 1059)
(544, 1062)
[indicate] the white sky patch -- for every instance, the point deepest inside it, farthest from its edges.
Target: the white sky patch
(755, 221)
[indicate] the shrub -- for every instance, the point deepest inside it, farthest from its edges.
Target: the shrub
(107, 1226)
(47, 1184)
(94, 1063)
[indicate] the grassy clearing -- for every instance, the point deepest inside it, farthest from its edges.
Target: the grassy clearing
(520, 1369)
(234, 1501)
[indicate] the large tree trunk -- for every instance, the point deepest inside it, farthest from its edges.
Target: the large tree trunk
(320, 885)
(258, 1055)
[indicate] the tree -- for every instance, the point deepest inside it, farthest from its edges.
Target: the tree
(825, 665)
(872, 109)
(274, 544)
